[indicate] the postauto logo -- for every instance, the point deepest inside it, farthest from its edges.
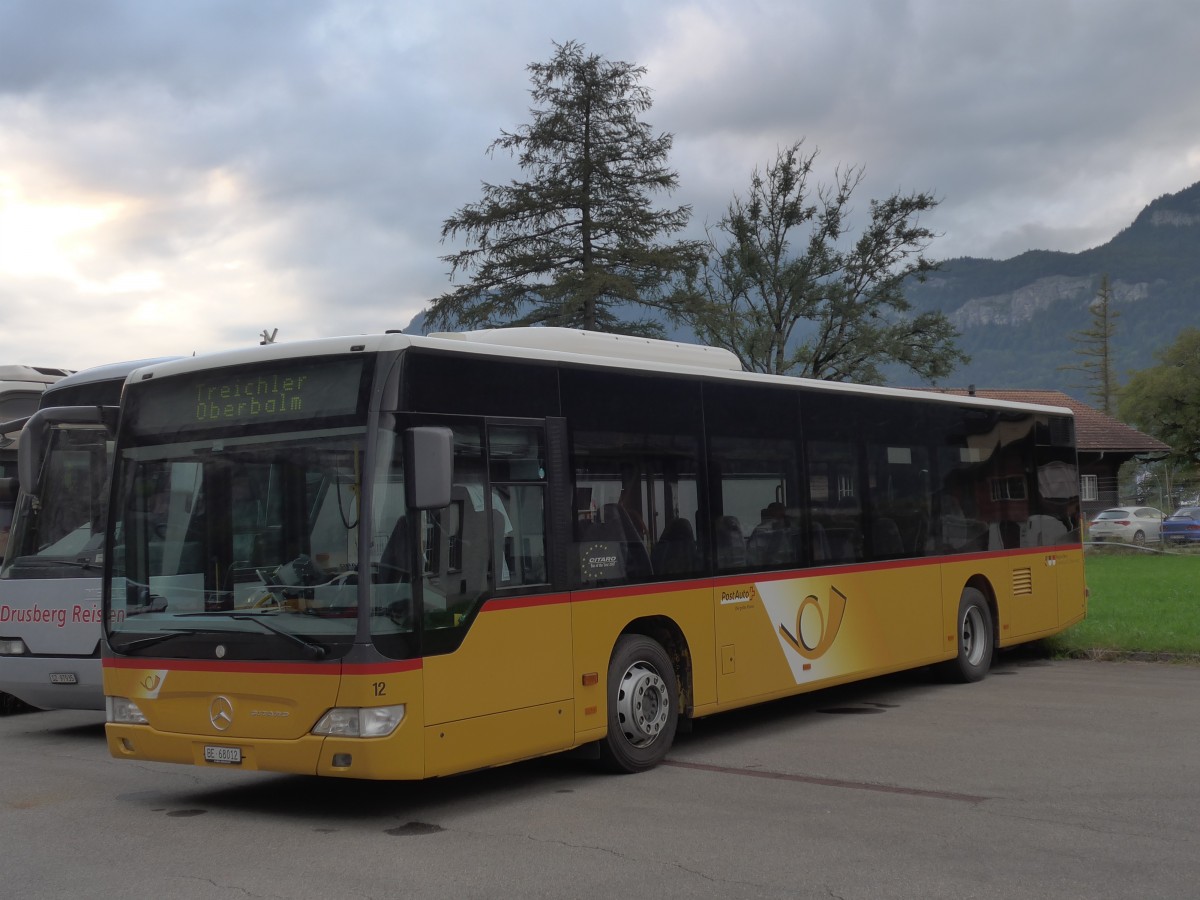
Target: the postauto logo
(816, 624)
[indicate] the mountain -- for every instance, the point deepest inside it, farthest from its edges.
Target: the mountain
(1016, 315)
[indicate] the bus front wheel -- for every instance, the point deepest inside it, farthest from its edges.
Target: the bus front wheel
(643, 706)
(976, 638)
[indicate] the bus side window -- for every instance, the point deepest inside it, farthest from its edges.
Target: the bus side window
(635, 456)
(758, 511)
(492, 535)
(517, 472)
(639, 524)
(519, 527)
(457, 553)
(900, 500)
(836, 498)
(984, 499)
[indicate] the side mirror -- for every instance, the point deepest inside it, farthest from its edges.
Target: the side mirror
(428, 475)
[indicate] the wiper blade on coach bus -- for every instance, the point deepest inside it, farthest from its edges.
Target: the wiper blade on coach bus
(313, 649)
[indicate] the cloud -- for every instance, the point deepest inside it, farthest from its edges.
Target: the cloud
(180, 176)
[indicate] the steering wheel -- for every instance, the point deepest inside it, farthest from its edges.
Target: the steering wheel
(269, 600)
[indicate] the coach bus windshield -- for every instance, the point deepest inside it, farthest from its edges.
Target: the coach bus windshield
(58, 531)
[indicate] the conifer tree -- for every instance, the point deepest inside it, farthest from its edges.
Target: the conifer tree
(1094, 345)
(576, 241)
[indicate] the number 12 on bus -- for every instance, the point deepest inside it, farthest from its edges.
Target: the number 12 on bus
(434, 554)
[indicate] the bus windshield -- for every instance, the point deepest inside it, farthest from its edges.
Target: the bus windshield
(58, 532)
(244, 547)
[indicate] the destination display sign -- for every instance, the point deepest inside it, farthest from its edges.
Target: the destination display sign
(289, 390)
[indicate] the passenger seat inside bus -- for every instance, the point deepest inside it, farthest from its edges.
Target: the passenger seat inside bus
(820, 544)
(637, 559)
(886, 538)
(773, 540)
(675, 553)
(731, 544)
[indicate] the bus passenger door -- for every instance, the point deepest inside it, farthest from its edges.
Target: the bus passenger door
(497, 661)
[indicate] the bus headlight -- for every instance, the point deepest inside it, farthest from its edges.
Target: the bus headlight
(12, 647)
(368, 721)
(123, 711)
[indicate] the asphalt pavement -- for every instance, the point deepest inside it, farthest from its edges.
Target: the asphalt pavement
(1048, 779)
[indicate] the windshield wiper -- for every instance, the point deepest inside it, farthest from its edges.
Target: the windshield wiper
(151, 641)
(312, 648)
(53, 562)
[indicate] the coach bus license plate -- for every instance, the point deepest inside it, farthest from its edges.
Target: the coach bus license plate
(230, 755)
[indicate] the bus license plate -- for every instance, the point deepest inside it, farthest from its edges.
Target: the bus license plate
(228, 755)
(63, 678)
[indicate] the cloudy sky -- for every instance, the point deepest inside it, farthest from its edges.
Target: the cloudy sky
(178, 176)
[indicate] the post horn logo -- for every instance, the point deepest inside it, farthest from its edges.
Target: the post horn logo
(817, 624)
(220, 713)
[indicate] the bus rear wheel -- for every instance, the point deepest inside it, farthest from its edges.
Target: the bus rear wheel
(976, 639)
(643, 706)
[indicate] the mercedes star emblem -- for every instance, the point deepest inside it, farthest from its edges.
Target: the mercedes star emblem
(220, 713)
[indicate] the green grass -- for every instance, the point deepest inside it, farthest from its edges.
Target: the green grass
(1138, 603)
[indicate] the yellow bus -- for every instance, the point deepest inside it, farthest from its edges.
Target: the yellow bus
(400, 557)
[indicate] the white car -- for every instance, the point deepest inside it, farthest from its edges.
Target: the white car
(1133, 524)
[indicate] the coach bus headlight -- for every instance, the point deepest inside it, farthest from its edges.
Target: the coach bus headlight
(368, 721)
(12, 647)
(122, 711)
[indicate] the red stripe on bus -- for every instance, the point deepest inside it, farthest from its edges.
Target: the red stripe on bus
(262, 668)
(382, 668)
(218, 665)
(632, 590)
(497, 604)
(821, 571)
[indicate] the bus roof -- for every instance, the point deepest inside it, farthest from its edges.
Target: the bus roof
(95, 374)
(594, 343)
(31, 374)
(21, 390)
(573, 347)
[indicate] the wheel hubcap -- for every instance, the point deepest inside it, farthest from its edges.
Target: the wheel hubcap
(974, 641)
(643, 706)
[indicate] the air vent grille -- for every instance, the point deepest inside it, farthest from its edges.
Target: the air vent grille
(1022, 581)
